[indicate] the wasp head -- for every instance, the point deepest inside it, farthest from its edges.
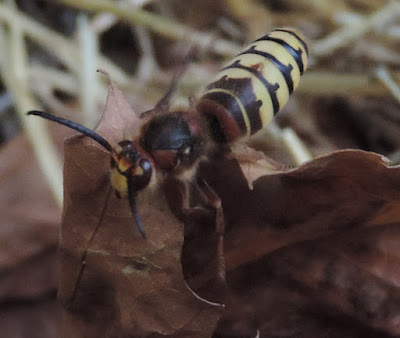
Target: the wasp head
(130, 165)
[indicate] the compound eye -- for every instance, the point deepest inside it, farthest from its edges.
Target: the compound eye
(142, 180)
(146, 166)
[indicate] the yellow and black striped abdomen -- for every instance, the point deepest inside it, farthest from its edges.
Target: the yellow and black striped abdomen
(255, 85)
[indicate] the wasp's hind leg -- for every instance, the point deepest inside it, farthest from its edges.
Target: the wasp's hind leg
(198, 206)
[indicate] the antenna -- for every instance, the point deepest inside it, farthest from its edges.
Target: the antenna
(132, 204)
(73, 125)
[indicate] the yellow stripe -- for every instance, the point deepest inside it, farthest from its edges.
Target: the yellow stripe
(259, 90)
(242, 109)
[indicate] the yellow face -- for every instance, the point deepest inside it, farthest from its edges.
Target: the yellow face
(119, 182)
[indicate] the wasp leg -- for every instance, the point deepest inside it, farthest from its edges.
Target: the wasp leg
(213, 200)
(199, 208)
(164, 104)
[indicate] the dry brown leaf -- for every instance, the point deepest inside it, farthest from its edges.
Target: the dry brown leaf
(113, 282)
(29, 226)
(254, 164)
(326, 233)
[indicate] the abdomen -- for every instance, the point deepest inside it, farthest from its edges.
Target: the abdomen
(255, 85)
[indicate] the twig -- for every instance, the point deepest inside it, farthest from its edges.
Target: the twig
(65, 49)
(331, 83)
(5, 102)
(383, 75)
(88, 76)
(298, 150)
(147, 64)
(103, 22)
(13, 72)
(347, 34)
(158, 24)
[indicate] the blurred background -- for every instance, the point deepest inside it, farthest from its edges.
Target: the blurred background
(49, 53)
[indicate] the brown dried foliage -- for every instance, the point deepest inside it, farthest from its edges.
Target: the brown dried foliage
(112, 281)
(309, 252)
(29, 232)
(304, 245)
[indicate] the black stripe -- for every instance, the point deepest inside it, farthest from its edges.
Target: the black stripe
(271, 88)
(230, 103)
(295, 53)
(285, 70)
(293, 33)
(243, 90)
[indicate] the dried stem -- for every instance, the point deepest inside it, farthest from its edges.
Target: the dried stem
(298, 150)
(14, 75)
(331, 83)
(158, 24)
(66, 50)
(88, 76)
(383, 75)
(350, 33)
